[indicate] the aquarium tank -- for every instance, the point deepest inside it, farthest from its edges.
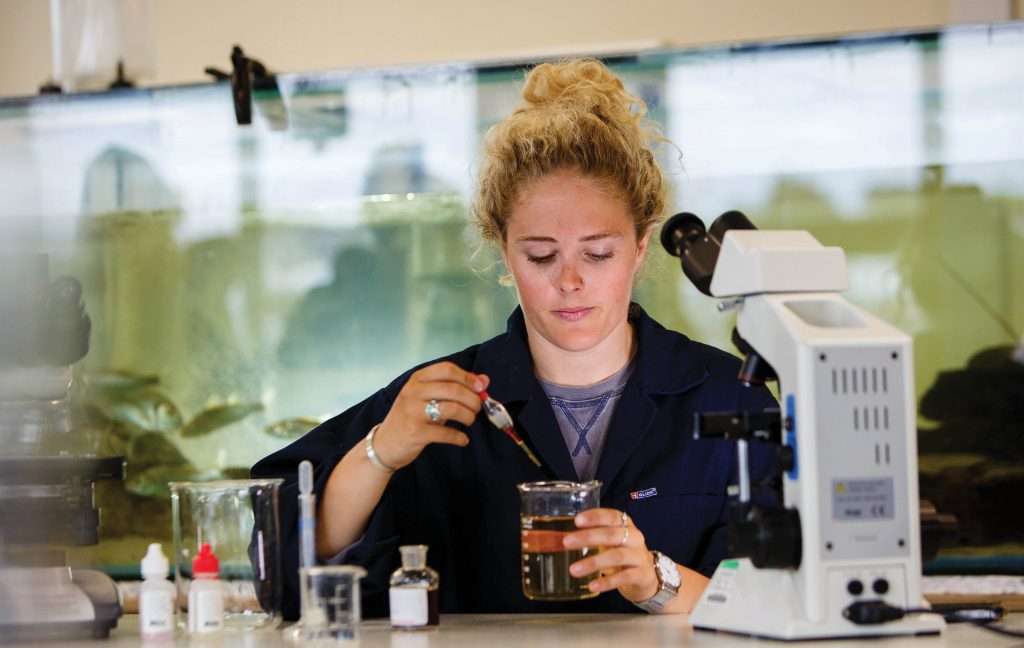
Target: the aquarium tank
(246, 282)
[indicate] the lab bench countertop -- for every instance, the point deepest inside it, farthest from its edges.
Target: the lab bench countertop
(546, 630)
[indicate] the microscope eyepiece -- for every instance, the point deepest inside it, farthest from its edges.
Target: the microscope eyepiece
(730, 220)
(685, 236)
(681, 232)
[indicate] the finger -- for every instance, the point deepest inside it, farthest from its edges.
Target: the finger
(603, 537)
(485, 380)
(457, 412)
(611, 560)
(602, 517)
(450, 372)
(422, 428)
(445, 434)
(634, 578)
(424, 392)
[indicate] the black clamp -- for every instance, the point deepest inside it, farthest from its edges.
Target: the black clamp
(246, 75)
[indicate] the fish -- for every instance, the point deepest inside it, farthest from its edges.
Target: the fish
(234, 472)
(291, 428)
(153, 449)
(145, 408)
(216, 417)
(87, 415)
(154, 481)
(112, 445)
(118, 380)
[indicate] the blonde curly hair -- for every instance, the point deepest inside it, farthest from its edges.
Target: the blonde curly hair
(575, 116)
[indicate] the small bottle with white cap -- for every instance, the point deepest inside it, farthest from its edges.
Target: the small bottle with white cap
(156, 596)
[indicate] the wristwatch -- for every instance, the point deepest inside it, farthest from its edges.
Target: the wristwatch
(668, 583)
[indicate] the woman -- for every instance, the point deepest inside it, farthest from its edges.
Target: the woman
(569, 192)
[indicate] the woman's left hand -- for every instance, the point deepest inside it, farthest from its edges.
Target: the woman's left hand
(624, 561)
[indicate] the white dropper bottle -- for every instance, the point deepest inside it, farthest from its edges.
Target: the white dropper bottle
(157, 596)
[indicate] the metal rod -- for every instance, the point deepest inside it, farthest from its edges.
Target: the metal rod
(744, 471)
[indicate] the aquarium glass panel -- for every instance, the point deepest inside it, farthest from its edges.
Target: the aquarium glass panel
(246, 282)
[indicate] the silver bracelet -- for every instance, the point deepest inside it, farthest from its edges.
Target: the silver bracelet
(371, 454)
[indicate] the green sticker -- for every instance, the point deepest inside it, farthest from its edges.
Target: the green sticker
(729, 564)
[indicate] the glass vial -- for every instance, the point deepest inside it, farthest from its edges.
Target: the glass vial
(414, 591)
(157, 597)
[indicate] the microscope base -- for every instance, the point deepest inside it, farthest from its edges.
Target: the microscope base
(48, 603)
(742, 599)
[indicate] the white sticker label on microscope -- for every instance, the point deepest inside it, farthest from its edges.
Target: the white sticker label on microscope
(720, 586)
(863, 499)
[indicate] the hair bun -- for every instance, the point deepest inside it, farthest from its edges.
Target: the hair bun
(575, 116)
(585, 84)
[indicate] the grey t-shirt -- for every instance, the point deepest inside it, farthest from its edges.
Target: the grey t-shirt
(584, 413)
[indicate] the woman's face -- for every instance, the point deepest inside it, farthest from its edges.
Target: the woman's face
(571, 247)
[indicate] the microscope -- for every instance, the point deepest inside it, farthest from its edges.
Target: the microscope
(845, 537)
(47, 471)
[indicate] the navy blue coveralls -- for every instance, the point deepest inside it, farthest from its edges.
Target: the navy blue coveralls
(463, 502)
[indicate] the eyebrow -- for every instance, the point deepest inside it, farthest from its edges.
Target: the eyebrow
(584, 239)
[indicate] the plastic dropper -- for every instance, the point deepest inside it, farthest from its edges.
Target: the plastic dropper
(307, 516)
(499, 416)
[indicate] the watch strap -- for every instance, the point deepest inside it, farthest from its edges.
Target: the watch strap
(665, 591)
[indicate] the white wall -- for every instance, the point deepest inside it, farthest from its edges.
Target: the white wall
(303, 35)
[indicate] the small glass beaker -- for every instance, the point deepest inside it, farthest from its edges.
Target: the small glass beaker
(239, 520)
(547, 512)
(331, 609)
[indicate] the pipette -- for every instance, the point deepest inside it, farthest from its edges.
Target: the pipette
(498, 415)
(307, 516)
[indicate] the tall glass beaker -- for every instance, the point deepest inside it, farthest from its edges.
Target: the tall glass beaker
(239, 519)
(547, 513)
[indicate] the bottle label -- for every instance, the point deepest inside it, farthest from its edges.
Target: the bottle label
(156, 613)
(205, 610)
(408, 606)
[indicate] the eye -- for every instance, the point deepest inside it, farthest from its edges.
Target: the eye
(541, 259)
(600, 257)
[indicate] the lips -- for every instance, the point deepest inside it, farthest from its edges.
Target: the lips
(572, 314)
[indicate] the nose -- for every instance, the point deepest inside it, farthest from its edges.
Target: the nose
(569, 279)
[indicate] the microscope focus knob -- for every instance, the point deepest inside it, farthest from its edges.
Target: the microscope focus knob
(769, 536)
(779, 543)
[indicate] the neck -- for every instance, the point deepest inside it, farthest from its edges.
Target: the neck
(581, 368)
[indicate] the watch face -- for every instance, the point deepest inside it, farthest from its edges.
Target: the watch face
(669, 571)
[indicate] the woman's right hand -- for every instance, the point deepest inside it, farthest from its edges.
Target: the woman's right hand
(407, 428)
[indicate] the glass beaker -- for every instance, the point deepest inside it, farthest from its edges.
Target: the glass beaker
(239, 519)
(547, 512)
(331, 609)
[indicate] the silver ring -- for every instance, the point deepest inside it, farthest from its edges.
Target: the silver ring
(625, 536)
(433, 411)
(625, 519)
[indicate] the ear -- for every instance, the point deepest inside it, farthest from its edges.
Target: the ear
(506, 279)
(641, 248)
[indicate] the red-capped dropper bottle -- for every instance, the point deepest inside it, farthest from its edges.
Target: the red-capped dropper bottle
(205, 594)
